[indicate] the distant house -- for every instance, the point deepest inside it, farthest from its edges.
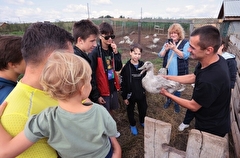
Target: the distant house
(229, 16)
(3, 24)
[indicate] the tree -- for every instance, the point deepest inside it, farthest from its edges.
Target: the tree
(108, 16)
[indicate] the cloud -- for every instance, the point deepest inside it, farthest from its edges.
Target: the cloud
(96, 2)
(41, 10)
(145, 15)
(28, 11)
(75, 8)
(19, 2)
(173, 10)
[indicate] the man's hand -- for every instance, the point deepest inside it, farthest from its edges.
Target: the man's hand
(164, 92)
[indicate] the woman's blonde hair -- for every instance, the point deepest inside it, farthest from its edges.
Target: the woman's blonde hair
(175, 27)
(64, 73)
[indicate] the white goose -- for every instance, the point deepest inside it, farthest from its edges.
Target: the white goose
(154, 83)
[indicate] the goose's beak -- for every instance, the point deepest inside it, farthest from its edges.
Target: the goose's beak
(143, 68)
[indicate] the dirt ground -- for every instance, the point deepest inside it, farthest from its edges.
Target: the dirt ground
(133, 146)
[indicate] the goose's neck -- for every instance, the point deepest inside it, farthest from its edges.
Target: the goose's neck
(150, 72)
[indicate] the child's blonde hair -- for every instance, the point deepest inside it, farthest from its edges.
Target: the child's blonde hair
(64, 73)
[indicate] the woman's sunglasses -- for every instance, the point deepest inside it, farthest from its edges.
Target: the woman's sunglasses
(109, 36)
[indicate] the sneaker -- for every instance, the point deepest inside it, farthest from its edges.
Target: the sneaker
(182, 126)
(118, 134)
(134, 130)
(176, 108)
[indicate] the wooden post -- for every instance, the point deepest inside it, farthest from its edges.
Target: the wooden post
(200, 144)
(156, 133)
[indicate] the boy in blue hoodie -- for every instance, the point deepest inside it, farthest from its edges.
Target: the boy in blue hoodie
(11, 64)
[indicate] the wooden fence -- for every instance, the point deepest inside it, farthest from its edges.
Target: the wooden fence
(200, 144)
(234, 47)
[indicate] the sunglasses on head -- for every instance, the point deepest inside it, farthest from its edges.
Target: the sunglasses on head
(109, 36)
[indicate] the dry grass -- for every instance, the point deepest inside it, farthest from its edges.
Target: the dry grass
(133, 146)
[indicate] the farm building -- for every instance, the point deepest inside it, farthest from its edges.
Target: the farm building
(3, 24)
(229, 16)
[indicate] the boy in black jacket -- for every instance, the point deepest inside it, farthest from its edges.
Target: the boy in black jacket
(132, 89)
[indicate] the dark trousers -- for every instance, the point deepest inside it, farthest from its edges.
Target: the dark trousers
(189, 116)
(142, 110)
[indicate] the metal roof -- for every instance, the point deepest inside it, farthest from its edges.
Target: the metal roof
(230, 9)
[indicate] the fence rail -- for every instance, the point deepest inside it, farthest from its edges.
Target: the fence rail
(234, 47)
(200, 144)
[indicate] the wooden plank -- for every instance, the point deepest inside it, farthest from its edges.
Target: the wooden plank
(235, 93)
(173, 152)
(194, 144)
(232, 113)
(158, 28)
(235, 112)
(233, 49)
(236, 106)
(162, 135)
(149, 136)
(203, 145)
(226, 151)
(236, 138)
(238, 65)
(235, 41)
(156, 133)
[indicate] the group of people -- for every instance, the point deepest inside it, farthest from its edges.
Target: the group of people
(58, 72)
(55, 105)
(213, 78)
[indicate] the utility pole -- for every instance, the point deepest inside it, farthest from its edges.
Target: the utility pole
(88, 11)
(19, 19)
(139, 28)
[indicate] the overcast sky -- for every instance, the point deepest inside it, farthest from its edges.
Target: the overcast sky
(74, 10)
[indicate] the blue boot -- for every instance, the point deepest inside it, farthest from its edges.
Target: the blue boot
(134, 130)
(167, 104)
